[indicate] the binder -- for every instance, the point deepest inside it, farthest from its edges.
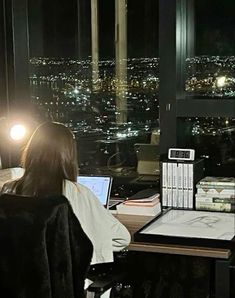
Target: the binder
(185, 185)
(174, 185)
(178, 182)
(164, 184)
(190, 186)
(180, 185)
(169, 182)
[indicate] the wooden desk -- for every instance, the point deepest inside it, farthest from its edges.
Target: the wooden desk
(221, 256)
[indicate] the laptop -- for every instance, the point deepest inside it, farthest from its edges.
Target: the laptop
(148, 161)
(99, 185)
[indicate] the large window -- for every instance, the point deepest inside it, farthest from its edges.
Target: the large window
(207, 112)
(214, 141)
(211, 72)
(94, 66)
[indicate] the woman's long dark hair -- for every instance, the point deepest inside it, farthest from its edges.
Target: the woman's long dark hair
(49, 158)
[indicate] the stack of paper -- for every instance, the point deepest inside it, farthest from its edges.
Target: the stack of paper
(146, 206)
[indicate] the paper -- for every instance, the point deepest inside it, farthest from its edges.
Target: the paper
(194, 224)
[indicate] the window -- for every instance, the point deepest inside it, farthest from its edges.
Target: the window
(94, 66)
(206, 112)
(210, 71)
(213, 140)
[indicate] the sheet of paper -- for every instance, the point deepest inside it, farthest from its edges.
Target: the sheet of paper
(194, 224)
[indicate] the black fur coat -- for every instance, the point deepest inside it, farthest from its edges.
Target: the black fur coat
(44, 252)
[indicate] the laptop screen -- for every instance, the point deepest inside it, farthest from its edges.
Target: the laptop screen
(99, 185)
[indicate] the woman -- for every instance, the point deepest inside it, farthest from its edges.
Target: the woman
(50, 168)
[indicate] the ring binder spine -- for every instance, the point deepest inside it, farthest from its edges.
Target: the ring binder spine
(178, 182)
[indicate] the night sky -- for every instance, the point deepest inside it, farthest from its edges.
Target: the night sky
(215, 27)
(64, 34)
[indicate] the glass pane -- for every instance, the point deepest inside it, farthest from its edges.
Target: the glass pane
(211, 72)
(214, 140)
(94, 66)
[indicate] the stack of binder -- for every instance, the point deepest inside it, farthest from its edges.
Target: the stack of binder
(216, 194)
(178, 182)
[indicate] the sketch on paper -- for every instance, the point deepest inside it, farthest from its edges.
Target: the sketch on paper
(203, 221)
(194, 224)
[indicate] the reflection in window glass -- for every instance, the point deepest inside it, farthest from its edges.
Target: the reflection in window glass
(94, 66)
(211, 73)
(214, 140)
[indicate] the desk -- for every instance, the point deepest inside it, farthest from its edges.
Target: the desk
(222, 257)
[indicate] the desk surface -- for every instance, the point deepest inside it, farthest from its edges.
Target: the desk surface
(134, 222)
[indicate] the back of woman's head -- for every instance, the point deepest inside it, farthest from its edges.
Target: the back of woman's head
(48, 159)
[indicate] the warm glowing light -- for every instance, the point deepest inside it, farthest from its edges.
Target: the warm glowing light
(17, 132)
(220, 81)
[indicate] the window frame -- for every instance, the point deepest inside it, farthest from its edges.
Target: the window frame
(173, 101)
(176, 43)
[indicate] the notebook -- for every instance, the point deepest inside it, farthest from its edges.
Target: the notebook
(99, 185)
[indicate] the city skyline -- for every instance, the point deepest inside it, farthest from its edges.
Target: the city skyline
(63, 88)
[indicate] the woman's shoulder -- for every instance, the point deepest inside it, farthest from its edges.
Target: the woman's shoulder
(9, 186)
(76, 189)
(75, 186)
(10, 174)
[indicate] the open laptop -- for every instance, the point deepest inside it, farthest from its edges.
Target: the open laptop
(100, 186)
(148, 161)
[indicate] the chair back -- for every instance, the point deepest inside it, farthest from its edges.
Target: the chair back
(44, 253)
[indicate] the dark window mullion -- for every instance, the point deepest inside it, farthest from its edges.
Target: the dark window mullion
(174, 32)
(205, 108)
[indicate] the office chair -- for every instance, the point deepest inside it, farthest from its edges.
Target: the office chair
(44, 252)
(104, 283)
(108, 275)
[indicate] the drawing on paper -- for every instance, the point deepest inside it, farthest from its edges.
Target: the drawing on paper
(203, 221)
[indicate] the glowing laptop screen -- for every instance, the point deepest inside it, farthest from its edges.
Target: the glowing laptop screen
(99, 185)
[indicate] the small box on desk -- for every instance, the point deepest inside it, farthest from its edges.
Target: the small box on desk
(178, 182)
